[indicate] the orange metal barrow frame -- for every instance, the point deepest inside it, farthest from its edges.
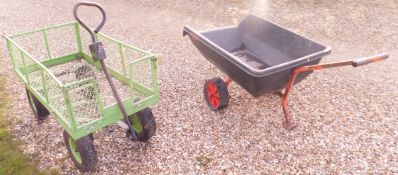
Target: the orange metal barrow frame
(287, 123)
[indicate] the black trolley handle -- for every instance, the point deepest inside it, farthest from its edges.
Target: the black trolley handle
(98, 53)
(91, 4)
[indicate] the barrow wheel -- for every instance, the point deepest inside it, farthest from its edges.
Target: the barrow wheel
(216, 94)
(144, 125)
(38, 109)
(82, 152)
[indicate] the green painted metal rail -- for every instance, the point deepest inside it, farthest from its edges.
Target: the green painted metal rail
(60, 98)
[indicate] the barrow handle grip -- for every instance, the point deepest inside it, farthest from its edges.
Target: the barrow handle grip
(370, 59)
(91, 4)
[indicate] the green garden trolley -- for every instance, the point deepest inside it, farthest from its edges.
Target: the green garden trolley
(74, 84)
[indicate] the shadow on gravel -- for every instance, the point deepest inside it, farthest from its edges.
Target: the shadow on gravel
(12, 160)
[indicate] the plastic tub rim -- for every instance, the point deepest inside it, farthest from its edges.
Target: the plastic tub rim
(263, 72)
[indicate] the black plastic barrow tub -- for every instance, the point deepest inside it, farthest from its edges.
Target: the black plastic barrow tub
(257, 54)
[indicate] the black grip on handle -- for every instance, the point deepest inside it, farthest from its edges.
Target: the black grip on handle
(370, 59)
(92, 4)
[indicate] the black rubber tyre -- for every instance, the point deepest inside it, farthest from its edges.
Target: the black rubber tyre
(40, 112)
(84, 148)
(148, 124)
(91, 136)
(215, 92)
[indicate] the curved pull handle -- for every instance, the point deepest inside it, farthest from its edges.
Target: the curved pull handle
(370, 59)
(92, 4)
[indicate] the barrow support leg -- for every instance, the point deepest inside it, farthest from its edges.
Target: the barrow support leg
(287, 123)
(228, 81)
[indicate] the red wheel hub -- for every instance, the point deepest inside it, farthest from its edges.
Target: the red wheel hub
(213, 95)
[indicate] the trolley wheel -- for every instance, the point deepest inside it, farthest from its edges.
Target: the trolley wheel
(216, 94)
(144, 125)
(82, 152)
(91, 136)
(38, 109)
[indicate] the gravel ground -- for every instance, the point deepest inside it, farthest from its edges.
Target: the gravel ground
(347, 117)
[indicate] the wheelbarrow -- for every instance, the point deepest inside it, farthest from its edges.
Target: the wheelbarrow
(76, 86)
(262, 57)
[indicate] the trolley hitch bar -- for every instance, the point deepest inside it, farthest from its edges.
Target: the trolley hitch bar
(287, 124)
(98, 54)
